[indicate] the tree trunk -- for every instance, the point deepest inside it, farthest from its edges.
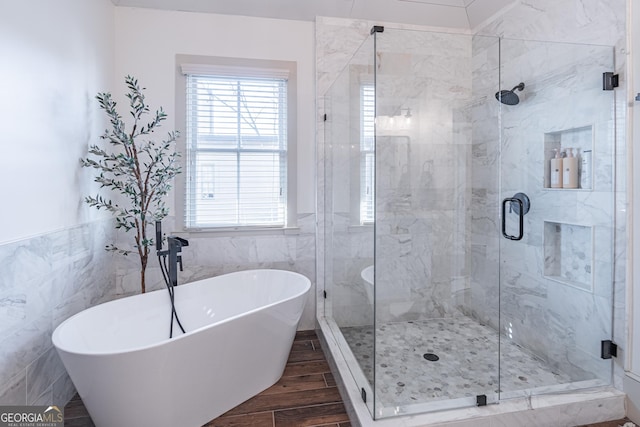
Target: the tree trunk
(143, 268)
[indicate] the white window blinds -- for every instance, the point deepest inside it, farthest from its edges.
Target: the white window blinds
(367, 153)
(236, 150)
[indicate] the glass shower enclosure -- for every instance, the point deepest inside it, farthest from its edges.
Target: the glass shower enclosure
(457, 271)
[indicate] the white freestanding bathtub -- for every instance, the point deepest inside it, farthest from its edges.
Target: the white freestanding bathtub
(240, 327)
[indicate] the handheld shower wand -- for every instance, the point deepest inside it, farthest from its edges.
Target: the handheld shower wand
(170, 271)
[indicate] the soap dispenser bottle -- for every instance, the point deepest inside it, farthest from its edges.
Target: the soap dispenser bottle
(570, 170)
(556, 170)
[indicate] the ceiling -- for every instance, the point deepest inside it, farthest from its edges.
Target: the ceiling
(466, 14)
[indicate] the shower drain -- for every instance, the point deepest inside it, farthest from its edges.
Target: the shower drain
(431, 357)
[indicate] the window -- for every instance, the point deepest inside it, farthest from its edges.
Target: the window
(236, 147)
(367, 154)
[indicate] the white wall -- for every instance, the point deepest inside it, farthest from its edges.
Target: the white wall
(148, 40)
(55, 57)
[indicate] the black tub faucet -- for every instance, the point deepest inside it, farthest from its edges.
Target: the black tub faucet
(175, 257)
(174, 253)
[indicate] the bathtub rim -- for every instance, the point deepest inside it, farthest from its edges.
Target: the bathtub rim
(55, 336)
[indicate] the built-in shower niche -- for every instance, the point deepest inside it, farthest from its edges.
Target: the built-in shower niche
(568, 254)
(581, 140)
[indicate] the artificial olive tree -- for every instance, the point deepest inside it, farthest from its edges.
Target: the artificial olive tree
(139, 168)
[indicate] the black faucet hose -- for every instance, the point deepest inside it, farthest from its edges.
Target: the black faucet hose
(162, 260)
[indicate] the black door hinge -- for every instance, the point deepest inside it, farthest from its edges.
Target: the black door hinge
(609, 81)
(363, 393)
(324, 293)
(325, 117)
(608, 349)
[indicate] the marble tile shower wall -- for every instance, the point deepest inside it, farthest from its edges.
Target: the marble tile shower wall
(563, 93)
(352, 252)
(45, 280)
(422, 177)
(598, 23)
(349, 245)
(570, 320)
(423, 192)
(483, 297)
(209, 256)
(336, 42)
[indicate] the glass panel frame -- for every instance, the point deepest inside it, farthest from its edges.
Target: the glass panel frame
(424, 224)
(349, 241)
(557, 282)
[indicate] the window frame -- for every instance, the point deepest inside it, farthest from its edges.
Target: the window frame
(247, 68)
(360, 78)
(363, 96)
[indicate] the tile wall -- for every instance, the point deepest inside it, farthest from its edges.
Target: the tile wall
(421, 178)
(45, 280)
(563, 92)
(600, 24)
(212, 255)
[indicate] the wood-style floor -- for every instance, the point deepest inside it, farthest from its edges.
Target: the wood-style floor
(305, 396)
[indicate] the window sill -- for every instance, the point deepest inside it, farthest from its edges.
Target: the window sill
(360, 228)
(231, 232)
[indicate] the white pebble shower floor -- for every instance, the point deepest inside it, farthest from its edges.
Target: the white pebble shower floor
(467, 365)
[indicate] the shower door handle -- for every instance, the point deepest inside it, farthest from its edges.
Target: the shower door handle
(520, 212)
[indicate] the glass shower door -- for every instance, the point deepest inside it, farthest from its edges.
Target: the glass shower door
(556, 249)
(348, 227)
(436, 329)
